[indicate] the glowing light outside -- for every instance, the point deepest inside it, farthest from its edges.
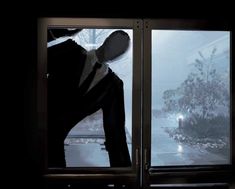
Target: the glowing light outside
(180, 117)
(180, 149)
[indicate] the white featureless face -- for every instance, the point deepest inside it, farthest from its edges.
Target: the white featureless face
(115, 45)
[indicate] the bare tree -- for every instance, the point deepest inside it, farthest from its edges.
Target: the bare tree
(203, 92)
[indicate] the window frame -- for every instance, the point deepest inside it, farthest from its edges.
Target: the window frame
(153, 175)
(141, 174)
(105, 174)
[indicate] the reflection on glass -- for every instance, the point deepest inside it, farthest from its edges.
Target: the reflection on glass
(97, 107)
(190, 98)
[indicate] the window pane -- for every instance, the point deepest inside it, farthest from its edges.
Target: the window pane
(89, 115)
(190, 98)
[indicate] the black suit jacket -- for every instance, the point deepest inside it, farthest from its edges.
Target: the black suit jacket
(67, 105)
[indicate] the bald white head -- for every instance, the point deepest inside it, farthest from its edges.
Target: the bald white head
(114, 46)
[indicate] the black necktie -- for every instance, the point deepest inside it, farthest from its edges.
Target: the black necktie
(87, 82)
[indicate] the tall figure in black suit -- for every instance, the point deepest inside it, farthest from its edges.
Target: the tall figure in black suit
(79, 84)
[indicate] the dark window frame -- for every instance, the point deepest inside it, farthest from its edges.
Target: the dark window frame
(141, 174)
(180, 174)
(82, 174)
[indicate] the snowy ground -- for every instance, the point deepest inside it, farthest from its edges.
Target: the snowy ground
(166, 151)
(84, 146)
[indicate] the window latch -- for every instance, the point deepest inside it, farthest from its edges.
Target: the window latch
(146, 163)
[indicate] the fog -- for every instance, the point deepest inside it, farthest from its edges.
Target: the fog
(173, 53)
(195, 63)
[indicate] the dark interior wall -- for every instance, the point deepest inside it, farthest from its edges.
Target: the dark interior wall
(29, 163)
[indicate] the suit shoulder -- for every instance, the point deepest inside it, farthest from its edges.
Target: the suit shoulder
(116, 79)
(68, 45)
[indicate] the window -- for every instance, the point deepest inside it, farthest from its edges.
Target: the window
(190, 122)
(186, 103)
(84, 144)
(176, 77)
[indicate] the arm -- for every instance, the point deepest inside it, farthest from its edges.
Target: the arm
(55, 33)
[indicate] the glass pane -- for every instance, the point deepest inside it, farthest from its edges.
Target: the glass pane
(89, 97)
(190, 98)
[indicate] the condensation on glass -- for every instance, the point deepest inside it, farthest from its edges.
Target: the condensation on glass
(190, 122)
(84, 144)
